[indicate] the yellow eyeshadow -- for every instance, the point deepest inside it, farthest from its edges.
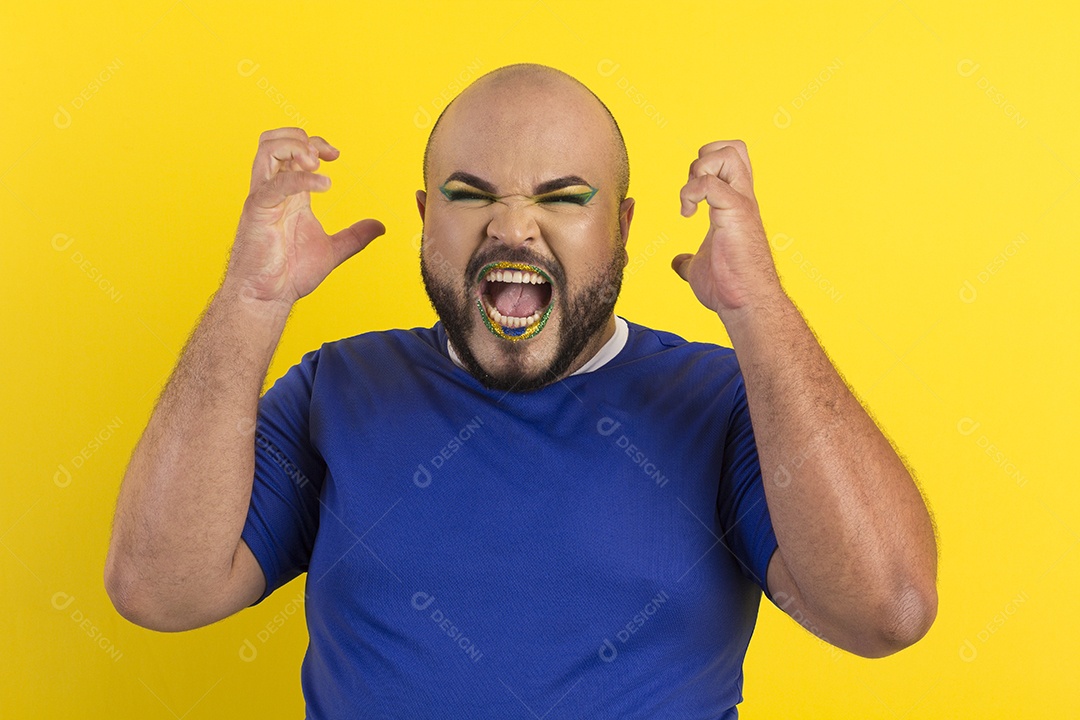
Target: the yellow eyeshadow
(456, 188)
(571, 191)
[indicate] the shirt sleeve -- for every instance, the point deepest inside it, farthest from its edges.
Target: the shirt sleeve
(744, 514)
(283, 516)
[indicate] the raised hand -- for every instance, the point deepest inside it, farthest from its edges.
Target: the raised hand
(281, 252)
(733, 269)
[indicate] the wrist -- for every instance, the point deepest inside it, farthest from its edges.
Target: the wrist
(239, 301)
(761, 314)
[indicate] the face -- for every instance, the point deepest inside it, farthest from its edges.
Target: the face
(524, 237)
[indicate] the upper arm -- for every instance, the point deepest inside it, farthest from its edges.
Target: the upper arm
(283, 515)
(741, 504)
(196, 607)
(243, 586)
(246, 582)
(785, 595)
(781, 587)
(839, 632)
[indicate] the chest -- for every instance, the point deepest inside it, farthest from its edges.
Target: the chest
(559, 521)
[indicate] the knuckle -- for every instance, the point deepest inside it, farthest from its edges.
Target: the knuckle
(282, 132)
(277, 143)
(282, 181)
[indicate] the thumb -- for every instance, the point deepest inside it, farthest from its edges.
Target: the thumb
(681, 264)
(355, 238)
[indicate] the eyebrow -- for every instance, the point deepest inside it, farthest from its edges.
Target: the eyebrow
(541, 189)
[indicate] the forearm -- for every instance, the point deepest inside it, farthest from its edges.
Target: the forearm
(852, 528)
(186, 491)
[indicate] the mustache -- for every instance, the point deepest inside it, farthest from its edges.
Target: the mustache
(518, 254)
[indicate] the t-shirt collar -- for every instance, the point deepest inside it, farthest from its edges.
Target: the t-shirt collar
(611, 348)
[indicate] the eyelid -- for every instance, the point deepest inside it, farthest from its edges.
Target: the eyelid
(584, 192)
(457, 190)
(461, 191)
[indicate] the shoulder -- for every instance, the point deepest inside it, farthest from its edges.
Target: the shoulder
(669, 348)
(387, 354)
(395, 341)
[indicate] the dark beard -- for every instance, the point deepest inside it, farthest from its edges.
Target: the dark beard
(583, 315)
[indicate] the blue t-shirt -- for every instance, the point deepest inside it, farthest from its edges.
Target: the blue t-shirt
(596, 548)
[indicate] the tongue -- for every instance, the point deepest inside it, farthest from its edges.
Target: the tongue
(516, 299)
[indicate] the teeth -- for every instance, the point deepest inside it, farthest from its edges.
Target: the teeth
(515, 276)
(512, 322)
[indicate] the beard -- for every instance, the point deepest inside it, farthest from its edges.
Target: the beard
(581, 316)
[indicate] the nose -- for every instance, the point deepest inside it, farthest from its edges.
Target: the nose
(513, 222)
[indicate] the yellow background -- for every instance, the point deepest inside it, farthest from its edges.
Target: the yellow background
(917, 169)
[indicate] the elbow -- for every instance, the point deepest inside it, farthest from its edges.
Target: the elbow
(130, 604)
(904, 621)
(120, 588)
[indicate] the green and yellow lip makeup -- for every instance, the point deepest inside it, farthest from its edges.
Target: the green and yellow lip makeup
(515, 299)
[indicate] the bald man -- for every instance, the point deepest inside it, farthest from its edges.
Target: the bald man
(535, 507)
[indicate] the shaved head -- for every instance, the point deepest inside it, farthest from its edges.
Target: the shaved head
(523, 243)
(503, 85)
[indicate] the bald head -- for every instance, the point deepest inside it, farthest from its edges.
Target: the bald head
(506, 99)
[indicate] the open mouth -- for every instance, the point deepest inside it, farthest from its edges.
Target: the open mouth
(515, 299)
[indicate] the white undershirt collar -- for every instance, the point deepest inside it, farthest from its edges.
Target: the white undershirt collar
(611, 348)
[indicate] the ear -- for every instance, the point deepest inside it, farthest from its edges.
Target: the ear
(626, 214)
(421, 201)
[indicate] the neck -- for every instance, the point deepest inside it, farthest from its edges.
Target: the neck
(590, 350)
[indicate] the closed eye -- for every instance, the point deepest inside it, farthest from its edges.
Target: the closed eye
(452, 194)
(575, 198)
(457, 191)
(574, 194)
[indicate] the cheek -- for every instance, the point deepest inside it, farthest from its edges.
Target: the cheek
(449, 242)
(582, 245)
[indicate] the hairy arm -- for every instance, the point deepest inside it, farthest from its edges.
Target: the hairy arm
(176, 559)
(185, 495)
(857, 556)
(856, 561)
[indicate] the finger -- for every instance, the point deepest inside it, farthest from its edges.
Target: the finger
(680, 264)
(712, 189)
(727, 164)
(273, 192)
(355, 238)
(280, 154)
(739, 146)
(292, 132)
(325, 150)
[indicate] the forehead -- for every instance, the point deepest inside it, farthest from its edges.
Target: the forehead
(525, 135)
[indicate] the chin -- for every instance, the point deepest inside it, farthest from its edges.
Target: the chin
(508, 364)
(515, 324)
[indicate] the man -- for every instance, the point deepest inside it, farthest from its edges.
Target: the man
(534, 507)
